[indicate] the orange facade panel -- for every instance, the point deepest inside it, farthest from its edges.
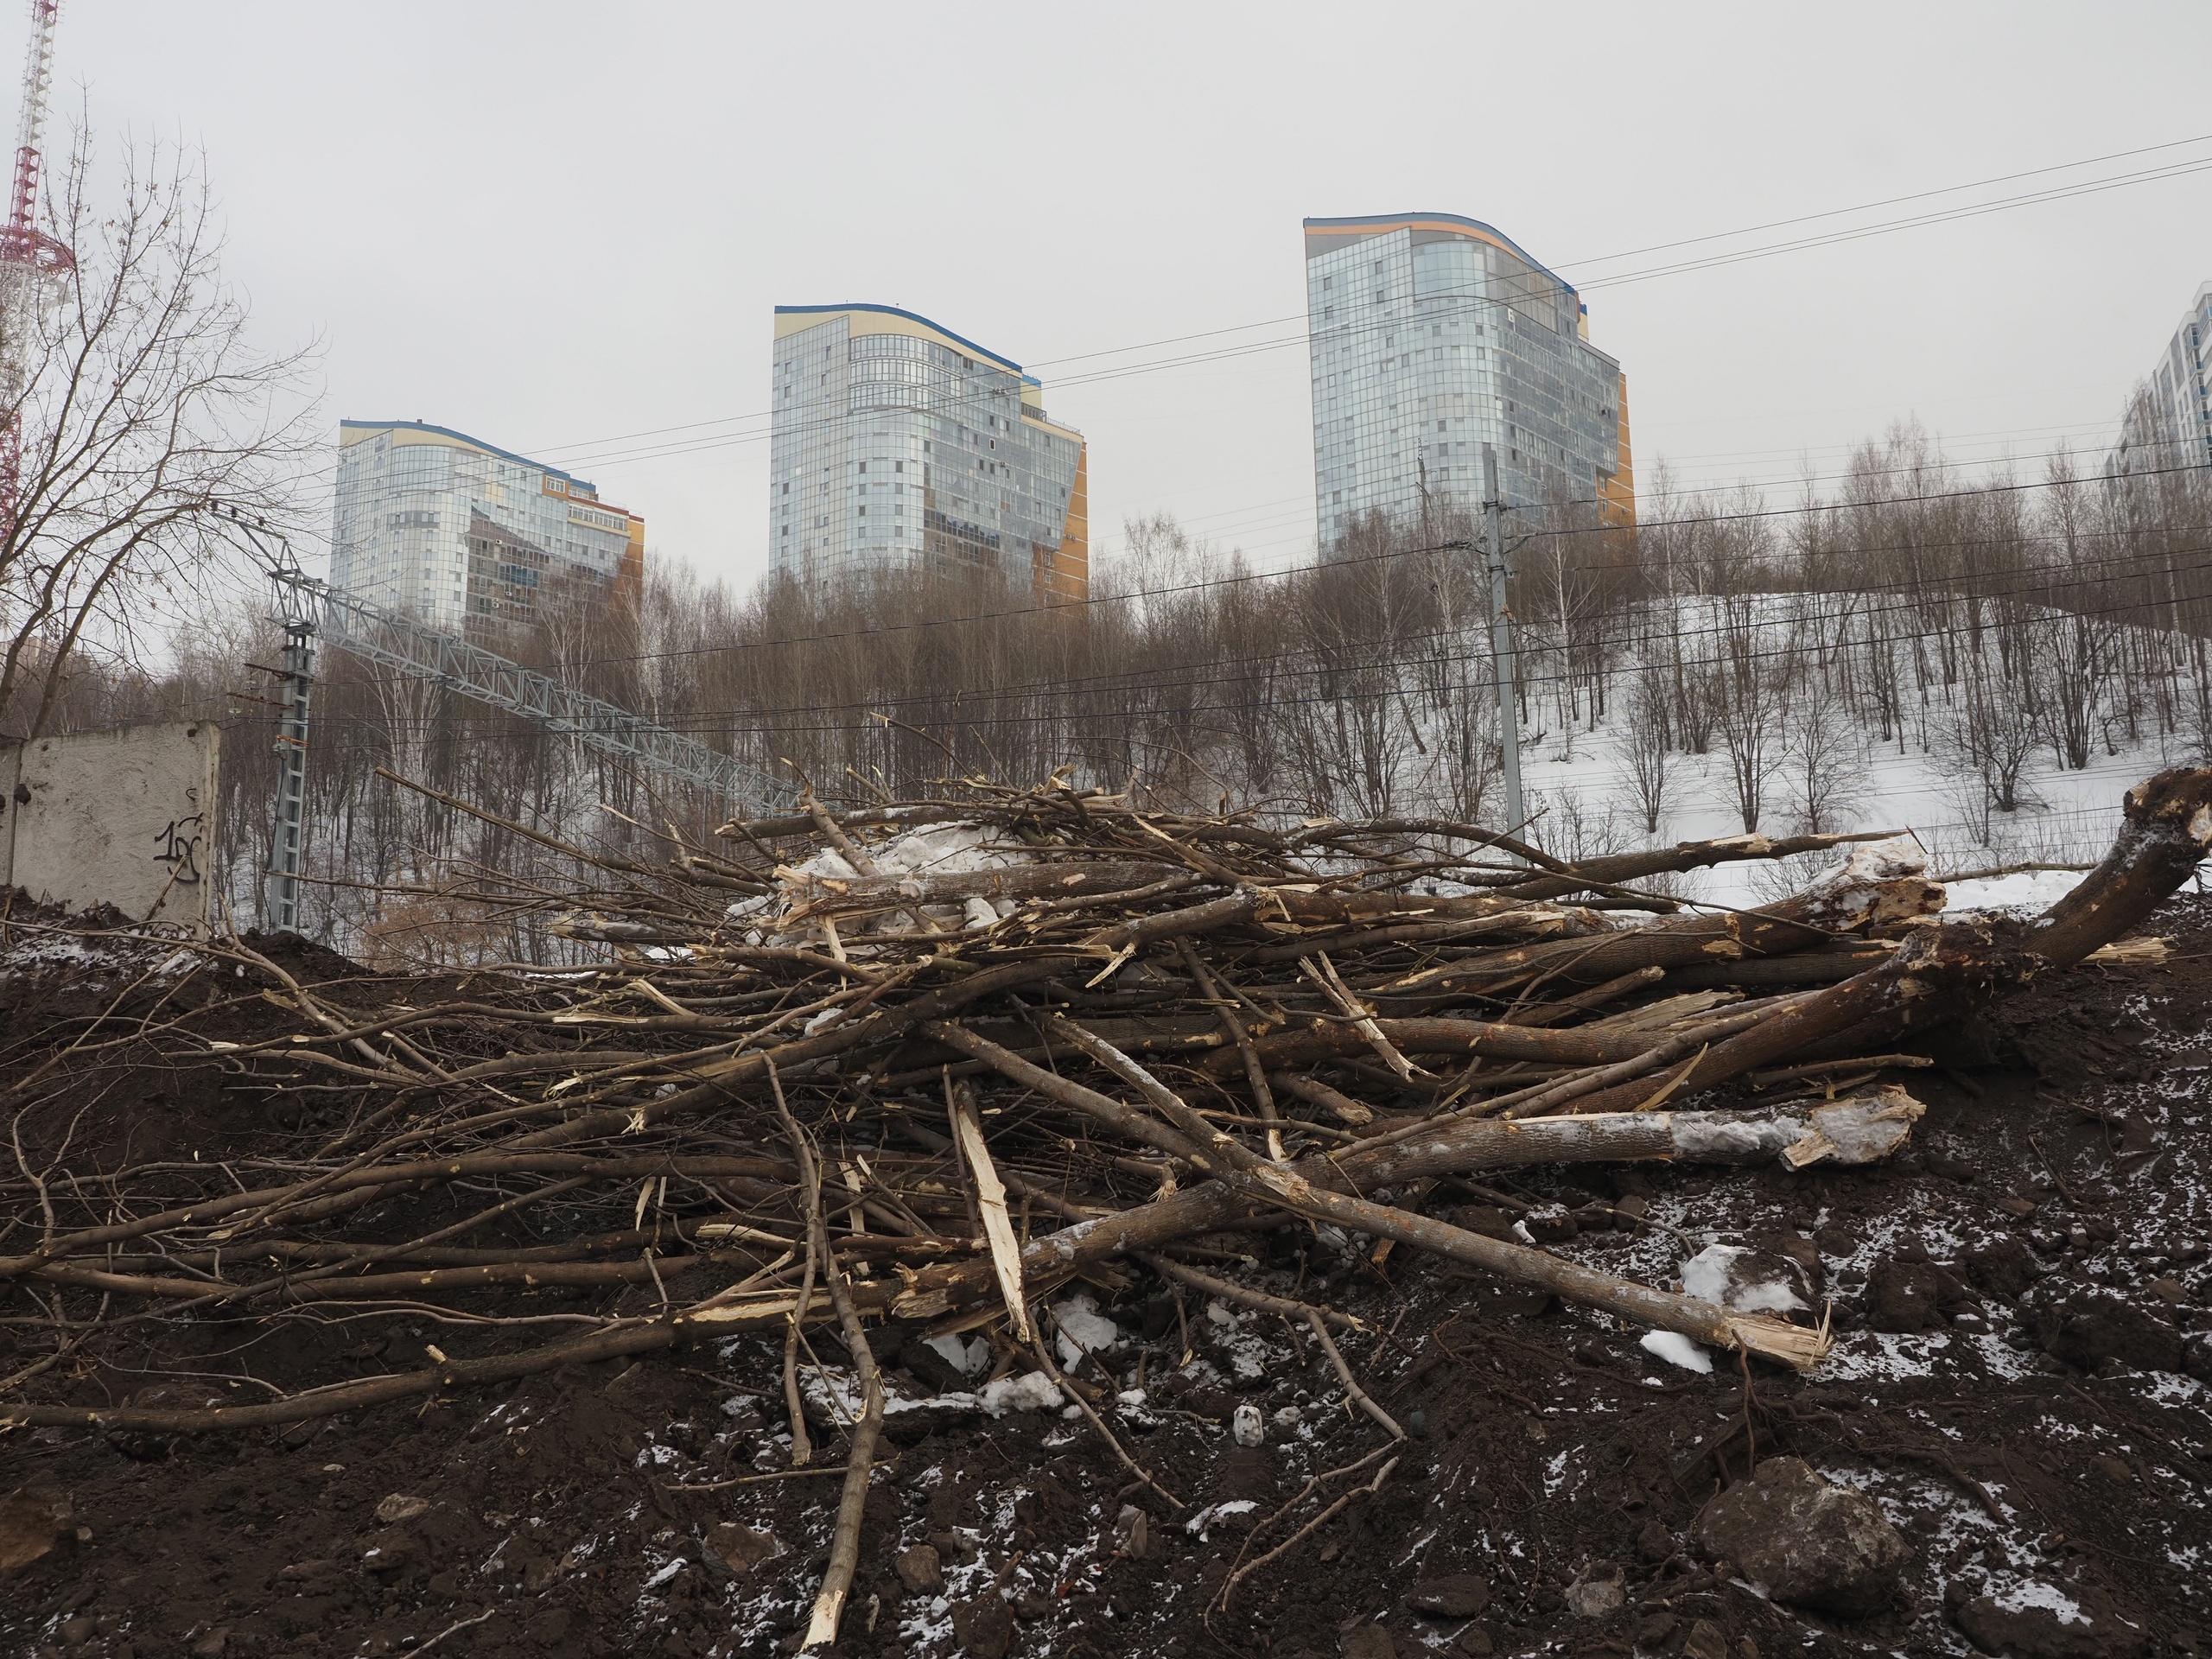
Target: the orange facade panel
(1620, 491)
(629, 577)
(1064, 576)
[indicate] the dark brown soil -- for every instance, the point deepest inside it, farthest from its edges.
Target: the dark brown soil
(2020, 1303)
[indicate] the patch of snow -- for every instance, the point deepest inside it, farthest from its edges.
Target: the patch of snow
(2022, 890)
(1083, 1329)
(1896, 1356)
(1677, 1349)
(1741, 1281)
(1032, 1391)
(966, 1357)
(2033, 1593)
(1196, 1524)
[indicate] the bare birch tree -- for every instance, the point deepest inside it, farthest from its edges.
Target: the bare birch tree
(141, 400)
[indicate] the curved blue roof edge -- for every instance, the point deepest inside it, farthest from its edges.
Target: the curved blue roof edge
(1449, 219)
(1006, 363)
(489, 448)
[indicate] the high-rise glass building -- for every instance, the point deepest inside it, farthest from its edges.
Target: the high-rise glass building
(2171, 425)
(1433, 336)
(899, 445)
(466, 536)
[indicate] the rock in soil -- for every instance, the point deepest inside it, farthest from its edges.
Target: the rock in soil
(2092, 1327)
(2037, 1621)
(983, 1625)
(1454, 1595)
(1810, 1543)
(920, 1570)
(2003, 1267)
(742, 1548)
(1599, 1593)
(31, 1524)
(1906, 1296)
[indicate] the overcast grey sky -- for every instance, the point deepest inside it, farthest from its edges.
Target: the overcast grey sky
(553, 223)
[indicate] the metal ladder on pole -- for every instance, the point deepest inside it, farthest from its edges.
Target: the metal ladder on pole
(310, 609)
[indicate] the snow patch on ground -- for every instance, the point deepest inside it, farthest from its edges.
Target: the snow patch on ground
(1741, 1281)
(2026, 890)
(1677, 1349)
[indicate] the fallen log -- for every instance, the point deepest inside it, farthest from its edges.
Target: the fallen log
(1945, 971)
(1236, 1166)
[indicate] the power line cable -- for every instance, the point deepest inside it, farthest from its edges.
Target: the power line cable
(588, 446)
(1475, 688)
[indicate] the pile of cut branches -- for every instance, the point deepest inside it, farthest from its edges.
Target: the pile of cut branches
(925, 1063)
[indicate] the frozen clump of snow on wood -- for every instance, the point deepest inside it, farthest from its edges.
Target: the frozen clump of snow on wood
(937, 849)
(1031, 1391)
(1083, 1330)
(967, 1358)
(1745, 1281)
(1875, 883)
(1213, 1512)
(1677, 1349)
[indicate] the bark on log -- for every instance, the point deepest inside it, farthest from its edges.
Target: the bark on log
(810, 894)
(890, 817)
(1461, 1038)
(1253, 1178)
(1611, 870)
(1863, 1128)
(1947, 971)
(1309, 907)
(1809, 921)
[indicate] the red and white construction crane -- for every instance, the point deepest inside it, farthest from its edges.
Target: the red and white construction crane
(30, 260)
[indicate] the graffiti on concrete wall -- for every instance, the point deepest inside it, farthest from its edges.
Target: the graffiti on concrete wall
(178, 845)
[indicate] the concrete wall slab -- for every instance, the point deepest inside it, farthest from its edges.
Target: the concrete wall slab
(124, 818)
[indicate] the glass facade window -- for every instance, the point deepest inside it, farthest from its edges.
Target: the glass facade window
(1002, 486)
(1505, 366)
(465, 536)
(2172, 425)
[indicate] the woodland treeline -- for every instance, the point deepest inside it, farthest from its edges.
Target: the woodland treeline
(2007, 627)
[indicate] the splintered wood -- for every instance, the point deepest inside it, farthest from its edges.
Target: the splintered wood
(926, 1062)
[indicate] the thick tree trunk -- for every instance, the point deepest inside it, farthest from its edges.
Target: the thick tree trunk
(1951, 970)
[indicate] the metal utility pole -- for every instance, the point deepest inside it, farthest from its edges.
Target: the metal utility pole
(287, 844)
(300, 613)
(309, 608)
(1503, 656)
